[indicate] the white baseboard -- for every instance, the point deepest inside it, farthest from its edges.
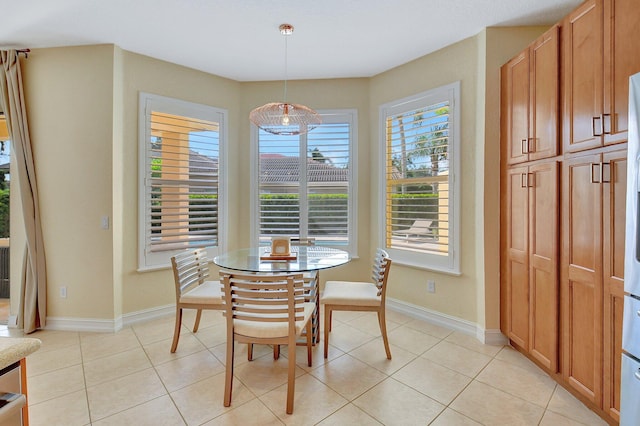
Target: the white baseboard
(83, 324)
(489, 337)
(107, 326)
(148, 314)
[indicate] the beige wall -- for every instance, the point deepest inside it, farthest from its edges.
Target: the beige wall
(69, 93)
(455, 295)
(83, 111)
(145, 290)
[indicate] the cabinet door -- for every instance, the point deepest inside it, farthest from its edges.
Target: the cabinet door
(517, 270)
(543, 259)
(515, 74)
(621, 60)
(543, 135)
(581, 286)
(613, 237)
(582, 76)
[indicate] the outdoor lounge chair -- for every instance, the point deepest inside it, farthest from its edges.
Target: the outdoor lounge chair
(420, 228)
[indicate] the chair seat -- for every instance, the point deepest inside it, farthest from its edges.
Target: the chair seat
(209, 292)
(350, 293)
(271, 329)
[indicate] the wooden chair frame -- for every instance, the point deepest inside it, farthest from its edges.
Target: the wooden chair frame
(381, 267)
(255, 304)
(190, 270)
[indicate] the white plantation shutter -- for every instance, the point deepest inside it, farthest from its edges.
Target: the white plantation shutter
(420, 151)
(180, 178)
(304, 184)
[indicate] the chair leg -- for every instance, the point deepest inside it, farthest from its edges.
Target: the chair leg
(327, 329)
(291, 381)
(176, 331)
(309, 343)
(276, 352)
(197, 324)
(383, 329)
(249, 351)
(228, 380)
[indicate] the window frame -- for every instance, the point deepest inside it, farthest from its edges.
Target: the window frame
(450, 263)
(350, 116)
(148, 261)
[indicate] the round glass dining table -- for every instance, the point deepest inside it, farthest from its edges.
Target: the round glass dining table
(307, 258)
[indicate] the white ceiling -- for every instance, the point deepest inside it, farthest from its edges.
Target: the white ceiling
(239, 39)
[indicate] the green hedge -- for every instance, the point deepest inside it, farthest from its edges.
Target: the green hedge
(280, 211)
(407, 208)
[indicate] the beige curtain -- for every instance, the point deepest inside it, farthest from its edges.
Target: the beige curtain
(33, 302)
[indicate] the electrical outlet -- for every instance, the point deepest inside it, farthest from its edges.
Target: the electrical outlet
(431, 286)
(63, 292)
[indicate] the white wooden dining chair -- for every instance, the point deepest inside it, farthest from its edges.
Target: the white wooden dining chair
(359, 296)
(266, 309)
(193, 290)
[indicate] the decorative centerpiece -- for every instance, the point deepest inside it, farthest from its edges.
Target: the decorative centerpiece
(280, 249)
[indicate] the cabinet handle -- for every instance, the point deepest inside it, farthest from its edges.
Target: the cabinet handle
(525, 146)
(523, 182)
(531, 145)
(604, 128)
(593, 125)
(593, 175)
(637, 374)
(602, 172)
(530, 182)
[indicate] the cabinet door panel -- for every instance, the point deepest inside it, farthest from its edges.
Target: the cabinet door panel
(582, 276)
(517, 257)
(517, 102)
(621, 60)
(613, 237)
(543, 249)
(582, 32)
(543, 142)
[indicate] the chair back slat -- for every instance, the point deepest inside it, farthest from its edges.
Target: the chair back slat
(264, 298)
(380, 270)
(190, 268)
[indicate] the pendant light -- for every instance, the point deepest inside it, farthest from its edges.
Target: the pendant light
(282, 118)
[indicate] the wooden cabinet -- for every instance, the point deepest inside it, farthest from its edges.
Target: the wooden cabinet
(531, 95)
(529, 127)
(599, 56)
(593, 206)
(531, 251)
(578, 335)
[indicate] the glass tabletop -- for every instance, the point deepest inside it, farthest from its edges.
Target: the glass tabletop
(307, 258)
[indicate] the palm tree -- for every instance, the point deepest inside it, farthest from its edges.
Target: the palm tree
(433, 144)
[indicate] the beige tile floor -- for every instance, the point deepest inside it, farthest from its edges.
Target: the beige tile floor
(436, 377)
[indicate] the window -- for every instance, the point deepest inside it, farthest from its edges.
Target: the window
(420, 207)
(181, 195)
(304, 185)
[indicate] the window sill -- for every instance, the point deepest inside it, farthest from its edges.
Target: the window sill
(430, 268)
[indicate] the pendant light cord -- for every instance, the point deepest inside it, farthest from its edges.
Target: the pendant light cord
(285, 67)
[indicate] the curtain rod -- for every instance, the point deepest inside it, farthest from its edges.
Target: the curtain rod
(25, 52)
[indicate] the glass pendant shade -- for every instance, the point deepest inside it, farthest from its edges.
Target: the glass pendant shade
(285, 119)
(282, 118)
